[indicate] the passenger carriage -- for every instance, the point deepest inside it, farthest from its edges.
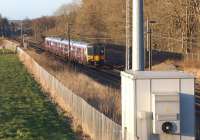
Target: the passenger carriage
(75, 51)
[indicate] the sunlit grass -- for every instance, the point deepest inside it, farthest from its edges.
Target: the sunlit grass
(25, 113)
(7, 51)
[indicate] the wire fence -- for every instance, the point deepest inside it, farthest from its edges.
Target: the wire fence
(94, 123)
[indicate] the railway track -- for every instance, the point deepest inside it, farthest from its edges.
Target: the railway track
(108, 74)
(106, 77)
(105, 74)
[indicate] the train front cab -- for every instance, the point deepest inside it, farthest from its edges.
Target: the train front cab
(96, 55)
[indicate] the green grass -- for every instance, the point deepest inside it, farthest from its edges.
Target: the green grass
(25, 113)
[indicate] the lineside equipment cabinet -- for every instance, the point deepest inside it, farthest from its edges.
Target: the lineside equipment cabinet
(158, 106)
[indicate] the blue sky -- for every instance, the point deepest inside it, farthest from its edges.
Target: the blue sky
(20, 9)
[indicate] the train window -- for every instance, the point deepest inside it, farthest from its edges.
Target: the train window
(90, 51)
(102, 51)
(98, 50)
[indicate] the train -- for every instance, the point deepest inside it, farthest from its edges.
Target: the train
(76, 51)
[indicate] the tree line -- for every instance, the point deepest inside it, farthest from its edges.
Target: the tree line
(105, 21)
(6, 28)
(88, 20)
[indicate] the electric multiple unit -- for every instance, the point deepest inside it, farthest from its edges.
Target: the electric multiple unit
(80, 52)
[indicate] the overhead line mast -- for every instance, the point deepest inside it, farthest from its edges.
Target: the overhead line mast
(127, 35)
(138, 36)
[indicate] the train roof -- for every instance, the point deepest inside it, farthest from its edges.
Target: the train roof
(66, 42)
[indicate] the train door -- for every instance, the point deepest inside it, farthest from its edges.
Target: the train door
(72, 53)
(82, 55)
(56, 48)
(52, 47)
(67, 51)
(63, 50)
(60, 49)
(78, 55)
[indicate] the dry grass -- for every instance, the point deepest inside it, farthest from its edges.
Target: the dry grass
(190, 64)
(192, 67)
(106, 99)
(164, 66)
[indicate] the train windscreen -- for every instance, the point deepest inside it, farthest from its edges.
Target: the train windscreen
(99, 50)
(96, 50)
(90, 51)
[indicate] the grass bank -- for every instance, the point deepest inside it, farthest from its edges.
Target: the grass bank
(25, 113)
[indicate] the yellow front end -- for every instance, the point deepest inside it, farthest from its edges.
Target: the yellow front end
(90, 58)
(95, 59)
